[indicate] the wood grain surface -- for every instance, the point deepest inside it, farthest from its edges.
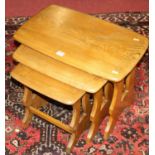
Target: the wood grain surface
(58, 70)
(85, 42)
(46, 85)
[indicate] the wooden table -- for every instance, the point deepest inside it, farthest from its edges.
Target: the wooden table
(91, 45)
(85, 42)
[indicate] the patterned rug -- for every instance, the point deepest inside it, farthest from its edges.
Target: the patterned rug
(130, 136)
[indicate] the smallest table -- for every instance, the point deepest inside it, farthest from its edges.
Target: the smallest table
(37, 84)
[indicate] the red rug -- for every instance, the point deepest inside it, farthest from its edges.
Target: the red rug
(130, 136)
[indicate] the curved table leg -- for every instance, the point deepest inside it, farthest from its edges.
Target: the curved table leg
(27, 101)
(100, 109)
(31, 99)
(122, 97)
(79, 123)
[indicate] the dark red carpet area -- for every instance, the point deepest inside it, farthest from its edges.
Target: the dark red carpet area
(130, 136)
(30, 7)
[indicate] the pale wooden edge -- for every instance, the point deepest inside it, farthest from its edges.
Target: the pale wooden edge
(94, 90)
(66, 102)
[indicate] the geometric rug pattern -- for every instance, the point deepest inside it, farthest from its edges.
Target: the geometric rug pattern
(130, 135)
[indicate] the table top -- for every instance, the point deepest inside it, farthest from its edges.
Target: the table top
(58, 70)
(83, 41)
(46, 85)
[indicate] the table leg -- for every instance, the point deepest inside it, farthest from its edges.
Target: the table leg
(79, 123)
(100, 109)
(122, 97)
(31, 99)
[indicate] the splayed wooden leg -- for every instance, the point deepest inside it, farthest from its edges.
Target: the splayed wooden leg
(79, 124)
(31, 99)
(100, 109)
(27, 101)
(122, 97)
(109, 128)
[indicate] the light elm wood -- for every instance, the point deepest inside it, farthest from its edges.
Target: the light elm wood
(100, 109)
(32, 101)
(58, 70)
(112, 100)
(89, 45)
(123, 97)
(46, 85)
(82, 122)
(27, 101)
(50, 119)
(83, 41)
(79, 121)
